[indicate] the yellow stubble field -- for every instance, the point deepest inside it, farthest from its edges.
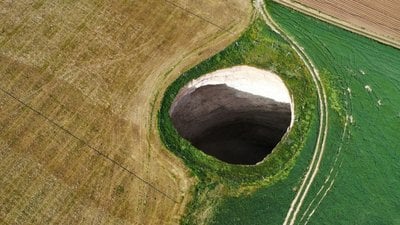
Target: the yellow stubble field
(80, 84)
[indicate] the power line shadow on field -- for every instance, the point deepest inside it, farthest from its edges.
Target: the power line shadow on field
(89, 146)
(198, 16)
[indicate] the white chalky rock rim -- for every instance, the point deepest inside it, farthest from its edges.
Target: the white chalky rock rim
(237, 115)
(248, 79)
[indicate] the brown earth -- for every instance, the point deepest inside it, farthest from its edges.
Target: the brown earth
(234, 126)
(81, 82)
(378, 19)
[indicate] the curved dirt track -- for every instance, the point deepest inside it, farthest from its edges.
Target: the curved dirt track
(80, 86)
(323, 127)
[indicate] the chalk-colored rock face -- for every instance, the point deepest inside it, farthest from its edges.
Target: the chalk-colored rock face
(247, 79)
(237, 115)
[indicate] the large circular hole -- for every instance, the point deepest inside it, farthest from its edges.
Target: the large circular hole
(237, 115)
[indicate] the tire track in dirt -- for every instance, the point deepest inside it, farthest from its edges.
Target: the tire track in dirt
(385, 38)
(323, 109)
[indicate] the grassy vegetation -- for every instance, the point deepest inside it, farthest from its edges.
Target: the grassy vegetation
(361, 164)
(262, 48)
(365, 185)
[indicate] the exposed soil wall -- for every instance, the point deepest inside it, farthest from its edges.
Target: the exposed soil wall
(234, 126)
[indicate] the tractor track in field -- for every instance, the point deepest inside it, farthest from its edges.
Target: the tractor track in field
(387, 39)
(319, 149)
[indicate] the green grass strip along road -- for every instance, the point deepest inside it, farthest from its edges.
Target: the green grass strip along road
(323, 123)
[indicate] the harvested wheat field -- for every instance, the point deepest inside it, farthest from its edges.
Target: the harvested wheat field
(379, 19)
(79, 84)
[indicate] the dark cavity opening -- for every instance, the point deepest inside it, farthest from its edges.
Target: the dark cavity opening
(233, 126)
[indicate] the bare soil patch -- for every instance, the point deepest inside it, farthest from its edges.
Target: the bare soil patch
(376, 19)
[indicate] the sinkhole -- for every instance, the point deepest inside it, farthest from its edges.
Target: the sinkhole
(238, 114)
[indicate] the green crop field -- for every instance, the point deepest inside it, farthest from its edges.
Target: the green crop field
(366, 190)
(359, 177)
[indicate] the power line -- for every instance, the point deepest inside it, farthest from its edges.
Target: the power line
(198, 16)
(90, 147)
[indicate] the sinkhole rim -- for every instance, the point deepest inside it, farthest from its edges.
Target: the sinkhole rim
(242, 78)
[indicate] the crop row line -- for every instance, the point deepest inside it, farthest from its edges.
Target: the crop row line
(387, 40)
(323, 111)
(108, 158)
(198, 16)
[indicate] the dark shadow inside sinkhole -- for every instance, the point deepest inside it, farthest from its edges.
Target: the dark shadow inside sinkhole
(234, 126)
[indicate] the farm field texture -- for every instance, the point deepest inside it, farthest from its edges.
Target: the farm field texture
(376, 19)
(365, 190)
(359, 173)
(79, 81)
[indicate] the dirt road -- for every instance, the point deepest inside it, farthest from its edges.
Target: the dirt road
(378, 20)
(323, 127)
